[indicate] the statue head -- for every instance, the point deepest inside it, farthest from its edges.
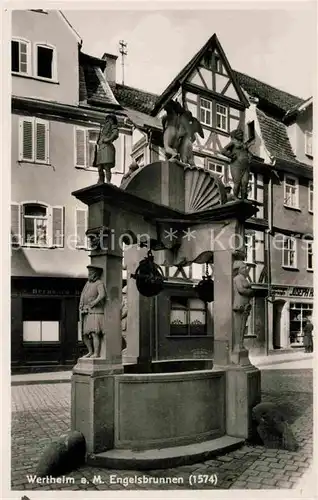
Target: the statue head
(112, 119)
(237, 134)
(94, 273)
(240, 267)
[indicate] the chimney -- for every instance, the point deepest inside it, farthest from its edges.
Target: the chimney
(110, 70)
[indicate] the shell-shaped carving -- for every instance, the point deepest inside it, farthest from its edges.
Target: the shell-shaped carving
(203, 190)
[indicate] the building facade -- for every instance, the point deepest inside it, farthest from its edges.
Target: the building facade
(59, 99)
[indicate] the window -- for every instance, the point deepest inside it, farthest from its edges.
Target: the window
(311, 197)
(205, 112)
(187, 317)
(140, 159)
(221, 117)
(34, 140)
(217, 64)
(291, 192)
(252, 192)
(216, 168)
(85, 142)
(308, 143)
(249, 247)
(81, 216)
(45, 64)
(298, 312)
(289, 252)
(41, 320)
(251, 131)
(36, 224)
(309, 256)
(20, 56)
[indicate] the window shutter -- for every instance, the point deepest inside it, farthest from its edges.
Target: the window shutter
(81, 226)
(15, 224)
(26, 144)
(80, 147)
(58, 226)
(40, 141)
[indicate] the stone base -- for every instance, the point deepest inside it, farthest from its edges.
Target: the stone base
(243, 392)
(93, 401)
(164, 457)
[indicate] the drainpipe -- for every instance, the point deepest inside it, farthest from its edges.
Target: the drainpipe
(268, 233)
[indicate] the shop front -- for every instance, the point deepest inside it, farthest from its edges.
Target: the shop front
(44, 323)
(291, 307)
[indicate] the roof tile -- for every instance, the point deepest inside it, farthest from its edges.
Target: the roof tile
(274, 134)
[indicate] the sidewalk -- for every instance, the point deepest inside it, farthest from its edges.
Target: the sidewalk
(295, 360)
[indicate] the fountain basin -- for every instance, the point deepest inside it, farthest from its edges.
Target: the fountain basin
(172, 408)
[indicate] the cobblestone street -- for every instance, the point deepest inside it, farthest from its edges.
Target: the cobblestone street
(41, 413)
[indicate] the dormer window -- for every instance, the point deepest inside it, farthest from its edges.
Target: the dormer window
(45, 64)
(20, 56)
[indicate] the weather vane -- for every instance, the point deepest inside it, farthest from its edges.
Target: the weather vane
(123, 52)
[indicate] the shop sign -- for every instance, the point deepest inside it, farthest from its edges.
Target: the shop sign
(293, 291)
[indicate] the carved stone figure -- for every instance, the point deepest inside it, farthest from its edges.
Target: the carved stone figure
(105, 153)
(242, 294)
(91, 310)
(272, 427)
(237, 151)
(179, 129)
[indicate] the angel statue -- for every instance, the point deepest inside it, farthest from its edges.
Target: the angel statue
(179, 129)
(240, 156)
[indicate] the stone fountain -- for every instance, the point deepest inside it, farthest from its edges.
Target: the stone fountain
(159, 414)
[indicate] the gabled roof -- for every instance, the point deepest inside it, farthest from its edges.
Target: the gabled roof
(133, 98)
(298, 108)
(213, 42)
(267, 94)
(66, 21)
(274, 134)
(93, 87)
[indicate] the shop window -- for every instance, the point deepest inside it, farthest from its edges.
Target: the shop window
(298, 312)
(289, 258)
(33, 140)
(205, 112)
(41, 320)
(187, 317)
(291, 192)
(45, 66)
(20, 56)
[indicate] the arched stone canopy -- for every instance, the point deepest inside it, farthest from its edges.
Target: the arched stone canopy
(182, 187)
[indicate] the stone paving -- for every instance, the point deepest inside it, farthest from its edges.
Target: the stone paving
(41, 413)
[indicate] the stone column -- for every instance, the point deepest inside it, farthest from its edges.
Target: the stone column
(242, 378)
(93, 398)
